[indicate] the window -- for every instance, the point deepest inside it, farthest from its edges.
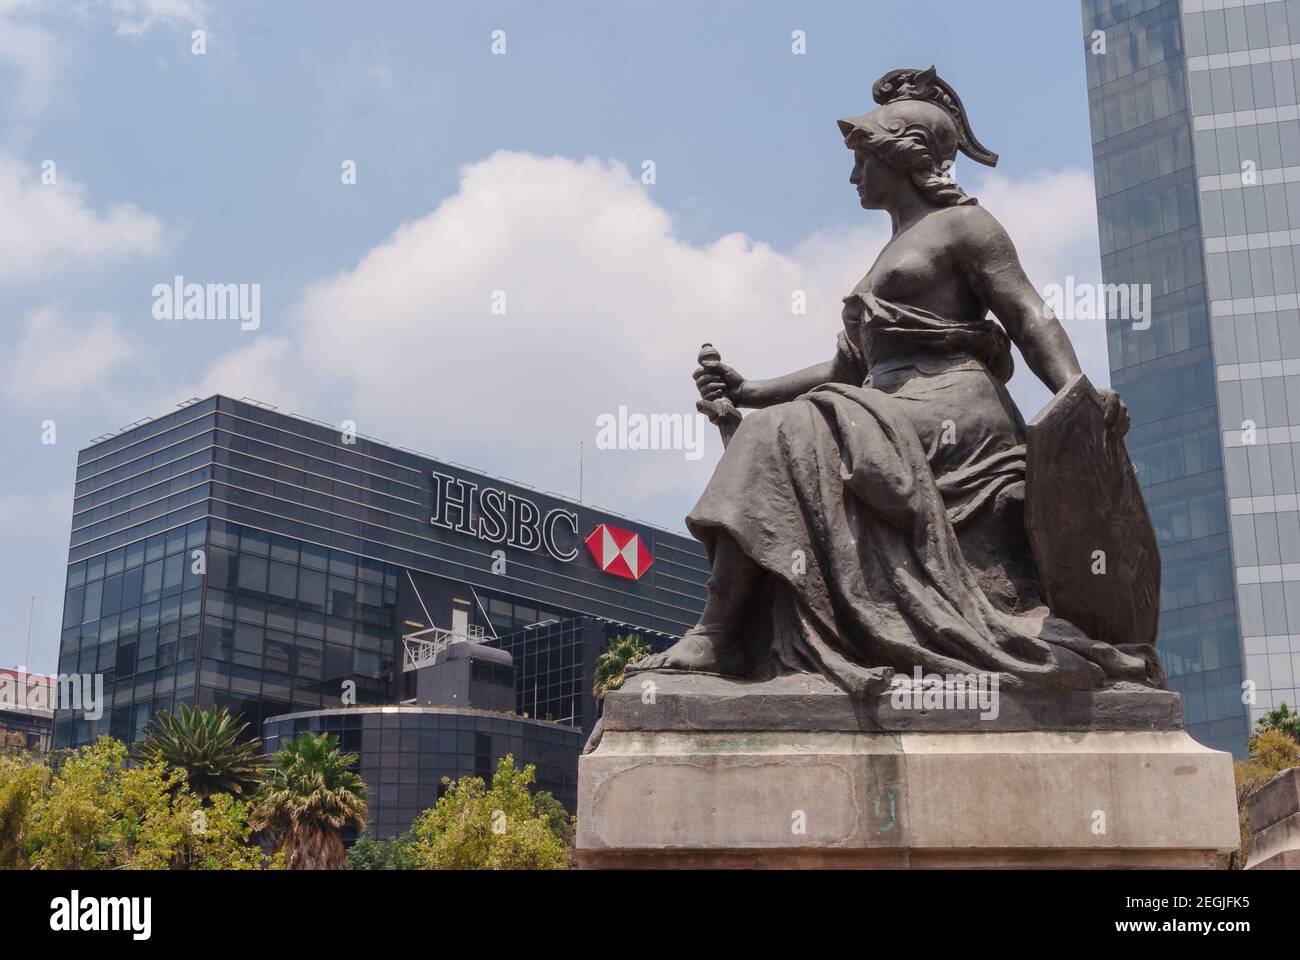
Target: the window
(367, 664)
(72, 606)
(338, 662)
(153, 549)
(153, 581)
(248, 645)
(315, 557)
(284, 550)
(112, 598)
(309, 658)
(125, 658)
(94, 594)
(173, 574)
(341, 597)
(311, 589)
(283, 580)
(132, 582)
(255, 542)
(483, 756)
(252, 573)
(279, 653)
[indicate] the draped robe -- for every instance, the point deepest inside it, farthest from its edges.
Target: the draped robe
(887, 518)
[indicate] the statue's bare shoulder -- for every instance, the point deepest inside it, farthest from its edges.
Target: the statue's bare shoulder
(983, 251)
(973, 230)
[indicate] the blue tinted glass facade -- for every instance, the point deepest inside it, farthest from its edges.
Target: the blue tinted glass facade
(1196, 137)
(227, 554)
(555, 666)
(405, 753)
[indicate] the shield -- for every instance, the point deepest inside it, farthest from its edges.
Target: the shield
(1088, 525)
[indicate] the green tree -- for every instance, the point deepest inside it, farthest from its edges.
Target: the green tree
(310, 795)
(98, 813)
(1271, 752)
(504, 827)
(394, 854)
(611, 666)
(1282, 718)
(557, 818)
(206, 745)
(72, 820)
(22, 778)
(226, 841)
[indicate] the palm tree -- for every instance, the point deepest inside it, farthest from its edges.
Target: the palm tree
(205, 744)
(309, 796)
(613, 663)
(1282, 719)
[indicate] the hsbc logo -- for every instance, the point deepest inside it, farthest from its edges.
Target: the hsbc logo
(619, 552)
(500, 517)
(497, 516)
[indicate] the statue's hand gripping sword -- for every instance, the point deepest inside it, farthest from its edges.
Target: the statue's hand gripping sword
(722, 413)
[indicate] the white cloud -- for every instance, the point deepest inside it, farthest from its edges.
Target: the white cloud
(249, 370)
(136, 17)
(30, 56)
(1052, 217)
(36, 36)
(58, 358)
(52, 228)
(605, 306)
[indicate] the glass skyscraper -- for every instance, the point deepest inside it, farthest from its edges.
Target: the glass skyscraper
(1195, 116)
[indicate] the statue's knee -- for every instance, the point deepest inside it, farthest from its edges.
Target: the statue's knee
(1010, 500)
(763, 420)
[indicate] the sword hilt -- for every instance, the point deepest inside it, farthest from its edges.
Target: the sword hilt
(722, 413)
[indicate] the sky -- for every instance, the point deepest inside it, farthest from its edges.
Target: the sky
(554, 204)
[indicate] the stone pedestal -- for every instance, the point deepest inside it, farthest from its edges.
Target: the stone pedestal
(670, 781)
(1274, 814)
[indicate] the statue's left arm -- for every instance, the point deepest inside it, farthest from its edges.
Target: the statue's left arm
(992, 267)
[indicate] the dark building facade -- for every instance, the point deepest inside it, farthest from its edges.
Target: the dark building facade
(406, 751)
(228, 554)
(545, 655)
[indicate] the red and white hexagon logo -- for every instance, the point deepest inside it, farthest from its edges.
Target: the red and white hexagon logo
(619, 551)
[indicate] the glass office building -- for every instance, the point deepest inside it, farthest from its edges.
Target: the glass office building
(1195, 116)
(229, 554)
(544, 654)
(405, 753)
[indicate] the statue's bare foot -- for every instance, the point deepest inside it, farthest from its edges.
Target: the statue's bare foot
(699, 651)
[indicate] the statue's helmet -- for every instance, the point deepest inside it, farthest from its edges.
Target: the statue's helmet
(918, 129)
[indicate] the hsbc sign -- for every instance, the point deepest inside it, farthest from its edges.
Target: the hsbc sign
(498, 516)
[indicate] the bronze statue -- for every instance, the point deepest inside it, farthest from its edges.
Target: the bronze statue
(869, 518)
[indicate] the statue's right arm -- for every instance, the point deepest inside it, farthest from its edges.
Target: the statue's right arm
(716, 379)
(765, 393)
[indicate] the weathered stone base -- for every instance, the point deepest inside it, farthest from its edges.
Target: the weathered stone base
(895, 860)
(806, 701)
(1274, 814)
(747, 800)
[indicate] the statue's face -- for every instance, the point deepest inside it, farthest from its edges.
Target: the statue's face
(874, 179)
